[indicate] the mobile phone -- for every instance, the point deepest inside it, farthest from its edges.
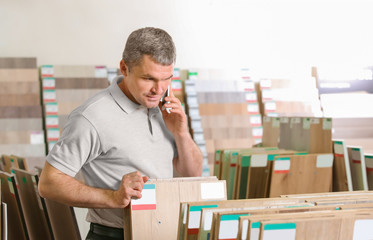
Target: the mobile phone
(166, 94)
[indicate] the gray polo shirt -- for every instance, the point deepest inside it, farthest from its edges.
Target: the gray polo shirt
(109, 136)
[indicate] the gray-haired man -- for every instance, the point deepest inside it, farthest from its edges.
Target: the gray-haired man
(120, 137)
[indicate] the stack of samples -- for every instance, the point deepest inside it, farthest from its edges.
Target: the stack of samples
(229, 110)
(64, 89)
(21, 127)
(283, 97)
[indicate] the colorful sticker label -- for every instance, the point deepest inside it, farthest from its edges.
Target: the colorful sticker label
(176, 85)
(282, 165)
(255, 120)
(266, 119)
(270, 106)
(315, 120)
(51, 108)
(229, 226)
(51, 121)
(279, 231)
(253, 108)
(369, 162)
(338, 149)
(49, 83)
(248, 86)
(53, 134)
(355, 155)
(148, 199)
(100, 72)
(306, 123)
(276, 122)
(49, 95)
(327, 123)
(257, 132)
(265, 83)
(195, 218)
(251, 97)
(47, 71)
(284, 119)
(255, 231)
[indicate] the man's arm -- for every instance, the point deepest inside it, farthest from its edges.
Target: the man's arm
(189, 160)
(63, 188)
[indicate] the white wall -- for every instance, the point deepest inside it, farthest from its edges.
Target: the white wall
(274, 38)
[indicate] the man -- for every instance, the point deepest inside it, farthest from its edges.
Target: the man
(121, 137)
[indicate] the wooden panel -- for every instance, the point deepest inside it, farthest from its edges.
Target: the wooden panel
(16, 223)
(36, 220)
(293, 174)
(300, 136)
(21, 137)
(271, 132)
(358, 168)
(220, 109)
(19, 75)
(75, 95)
(20, 88)
(16, 62)
(20, 112)
(285, 133)
(221, 97)
(162, 222)
(18, 124)
(341, 168)
(81, 83)
(321, 135)
(369, 167)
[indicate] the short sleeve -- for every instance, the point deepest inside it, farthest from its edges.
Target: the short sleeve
(78, 144)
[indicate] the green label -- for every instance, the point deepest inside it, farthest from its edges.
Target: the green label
(280, 226)
(232, 217)
(199, 208)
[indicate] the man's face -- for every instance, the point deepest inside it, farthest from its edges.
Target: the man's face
(146, 82)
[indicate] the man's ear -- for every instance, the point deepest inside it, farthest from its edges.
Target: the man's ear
(123, 68)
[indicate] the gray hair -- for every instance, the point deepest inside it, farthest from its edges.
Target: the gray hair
(154, 42)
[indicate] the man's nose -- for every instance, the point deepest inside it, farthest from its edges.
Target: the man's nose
(157, 88)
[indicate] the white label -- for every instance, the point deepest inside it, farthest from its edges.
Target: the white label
(49, 83)
(100, 72)
(176, 73)
(212, 190)
(37, 138)
(11, 189)
(53, 133)
(265, 83)
(270, 106)
(194, 218)
(282, 165)
(306, 123)
(295, 120)
(254, 234)
(148, 196)
(176, 85)
(207, 221)
(369, 161)
(258, 160)
(258, 140)
(192, 100)
(355, 155)
(363, 229)
(267, 94)
(245, 225)
(198, 137)
(256, 120)
(257, 132)
(315, 120)
(51, 121)
(190, 89)
(275, 122)
(49, 95)
(47, 70)
(253, 108)
(184, 210)
(51, 108)
(248, 85)
(196, 124)
(288, 234)
(251, 97)
(339, 149)
(324, 161)
(327, 123)
(284, 120)
(266, 119)
(193, 112)
(228, 229)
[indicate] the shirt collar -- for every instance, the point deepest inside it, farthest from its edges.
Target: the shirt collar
(123, 101)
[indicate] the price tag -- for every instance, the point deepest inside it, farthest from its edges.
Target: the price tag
(276, 122)
(327, 123)
(265, 83)
(251, 97)
(176, 85)
(49, 83)
(53, 134)
(47, 71)
(253, 108)
(248, 86)
(306, 123)
(257, 132)
(267, 95)
(255, 120)
(284, 120)
(51, 108)
(101, 72)
(49, 95)
(176, 73)
(37, 138)
(51, 121)
(315, 121)
(270, 106)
